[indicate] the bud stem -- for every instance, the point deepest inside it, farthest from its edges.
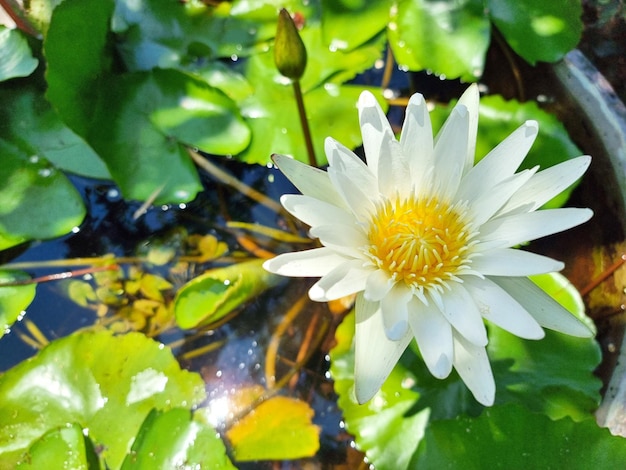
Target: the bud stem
(306, 132)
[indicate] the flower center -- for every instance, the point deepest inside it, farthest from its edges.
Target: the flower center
(423, 242)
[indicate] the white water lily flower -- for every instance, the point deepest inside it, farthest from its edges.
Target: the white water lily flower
(425, 239)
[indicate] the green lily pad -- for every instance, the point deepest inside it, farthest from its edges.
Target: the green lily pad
(511, 436)
(13, 299)
(449, 38)
(139, 123)
(158, 34)
(75, 81)
(28, 121)
(16, 59)
(172, 439)
(173, 34)
(552, 376)
(347, 24)
(538, 30)
(159, 113)
(106, 384)
(37, 201)
(219, 75)
(325, 65)
(62, 447)
(498, 118)
(214, 294)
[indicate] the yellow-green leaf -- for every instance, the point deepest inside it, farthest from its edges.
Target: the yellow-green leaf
(278, 429)
(214, 294)
(81, 292)
(151, 286)
(13, 299)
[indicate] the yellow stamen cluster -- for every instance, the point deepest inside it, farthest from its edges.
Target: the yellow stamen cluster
(421, 241)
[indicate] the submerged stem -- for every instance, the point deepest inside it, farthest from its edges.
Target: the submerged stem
(603, 276)
(233, 182)
(59, 276)
(272, 348)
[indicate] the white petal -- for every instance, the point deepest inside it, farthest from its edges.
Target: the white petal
(507, 156)
(501, 162)
(451, 151)
(375, 355)
(345, 161)
(433, 334)
(374, 127)
(416, 138)
(514, 262)
(436, 298)
(314, 212)
(393, 169)
(470, 99)
(461, 311)
(346, 279)
(348, 252)
(377, 285)
(472, 364)
(498, 307)
(309, 180)
(547, 311)
(340, 237)
(519, 228)
(355, 198)
(491, 199)
(308, 263)
(394, 310)
(547, 184)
